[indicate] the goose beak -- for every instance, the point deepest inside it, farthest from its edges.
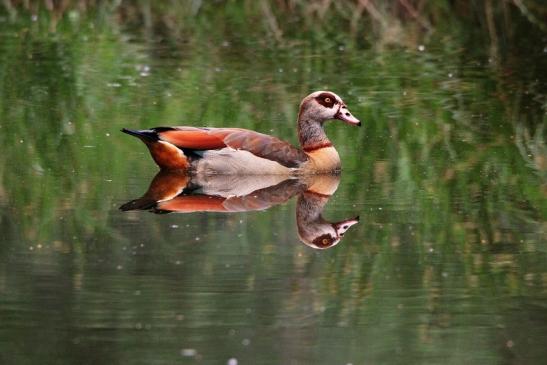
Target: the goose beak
(345, 115)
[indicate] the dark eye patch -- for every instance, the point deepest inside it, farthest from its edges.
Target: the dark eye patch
(324, 240)
(326, 99)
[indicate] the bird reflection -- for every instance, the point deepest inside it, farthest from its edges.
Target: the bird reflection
(172, 191)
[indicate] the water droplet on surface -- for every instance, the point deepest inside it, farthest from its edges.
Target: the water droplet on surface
(188, 352)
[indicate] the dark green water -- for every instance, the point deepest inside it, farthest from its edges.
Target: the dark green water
(448, 176)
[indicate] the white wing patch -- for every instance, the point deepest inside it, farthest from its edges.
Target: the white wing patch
(228, 161)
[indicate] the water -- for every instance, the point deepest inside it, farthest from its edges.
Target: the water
(447, 264)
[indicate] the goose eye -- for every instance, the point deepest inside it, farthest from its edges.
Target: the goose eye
(328, 100)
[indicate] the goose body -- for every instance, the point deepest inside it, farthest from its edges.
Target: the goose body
(236, 151)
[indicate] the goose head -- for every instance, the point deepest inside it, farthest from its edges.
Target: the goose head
(321, 106)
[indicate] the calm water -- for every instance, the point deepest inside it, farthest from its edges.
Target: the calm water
(448, 263)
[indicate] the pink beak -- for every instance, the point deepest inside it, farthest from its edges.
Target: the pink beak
(345, 115)
(343, 226)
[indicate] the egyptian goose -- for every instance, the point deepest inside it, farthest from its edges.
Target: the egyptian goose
(236, 151)
(174, 191)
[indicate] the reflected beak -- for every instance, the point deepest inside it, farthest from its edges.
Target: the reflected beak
(345, 115)
(343, 226)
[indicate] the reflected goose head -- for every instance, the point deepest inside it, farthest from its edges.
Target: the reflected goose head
(326, 105)
(322, 234)
(313, 230)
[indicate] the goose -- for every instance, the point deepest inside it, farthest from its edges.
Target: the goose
(237, 151)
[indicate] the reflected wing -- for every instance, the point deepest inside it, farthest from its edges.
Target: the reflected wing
(258, 144)
(265, 198)
(193, 203)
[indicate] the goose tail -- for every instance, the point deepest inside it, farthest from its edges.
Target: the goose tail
(146, 135)
(166, 155)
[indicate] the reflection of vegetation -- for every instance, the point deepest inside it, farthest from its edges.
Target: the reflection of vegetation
(449, 174)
